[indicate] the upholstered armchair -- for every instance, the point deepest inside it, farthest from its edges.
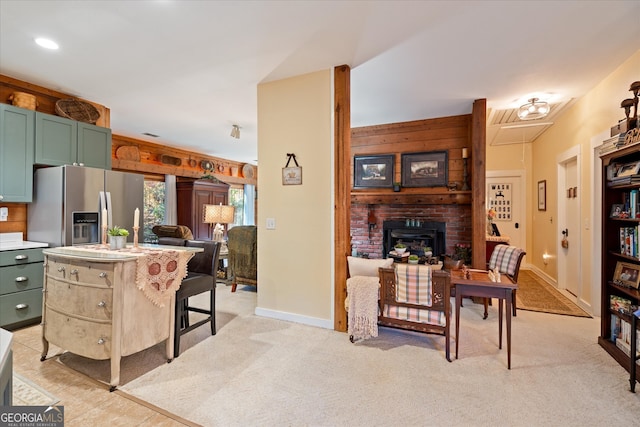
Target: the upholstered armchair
(243, 255)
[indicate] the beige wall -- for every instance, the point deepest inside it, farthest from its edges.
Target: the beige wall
(295, 261)
(589, 117)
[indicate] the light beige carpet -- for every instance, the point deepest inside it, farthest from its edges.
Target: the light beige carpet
(264, 372)
(535, 294)
(27, 393)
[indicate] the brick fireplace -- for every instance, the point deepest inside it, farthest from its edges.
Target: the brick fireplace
(451, 224)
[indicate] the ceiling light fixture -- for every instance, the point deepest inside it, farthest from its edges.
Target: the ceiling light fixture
(46, 43)
(534, 109)
(235, 131)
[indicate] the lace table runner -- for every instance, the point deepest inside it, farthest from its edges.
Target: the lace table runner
(159, 272)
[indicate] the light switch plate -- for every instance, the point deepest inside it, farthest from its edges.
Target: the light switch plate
(4, 214)
(271, 223)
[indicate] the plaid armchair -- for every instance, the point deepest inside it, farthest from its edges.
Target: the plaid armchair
(243, 255)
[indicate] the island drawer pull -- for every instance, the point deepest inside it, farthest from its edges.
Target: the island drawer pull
(101, 341)
(102, 275)
(74, 271)
(102, 304)
(21, 279)
(22, 306)
(61, 269)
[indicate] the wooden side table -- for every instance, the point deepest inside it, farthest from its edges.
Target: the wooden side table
(479, 285)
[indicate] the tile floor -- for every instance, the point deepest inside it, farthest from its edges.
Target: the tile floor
(86, 402)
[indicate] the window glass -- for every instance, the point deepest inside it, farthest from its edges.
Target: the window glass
(154, 208)
(236, 199)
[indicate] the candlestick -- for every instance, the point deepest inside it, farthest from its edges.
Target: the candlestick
(136, 218)
(104, 218)
(465, 153)
(104, 235)
(135, 235)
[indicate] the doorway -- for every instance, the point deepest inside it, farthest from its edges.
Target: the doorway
(569, 223)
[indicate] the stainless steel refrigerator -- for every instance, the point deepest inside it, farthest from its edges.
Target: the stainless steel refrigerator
(69, 200)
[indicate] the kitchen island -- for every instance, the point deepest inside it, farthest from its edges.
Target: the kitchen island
(106, 304)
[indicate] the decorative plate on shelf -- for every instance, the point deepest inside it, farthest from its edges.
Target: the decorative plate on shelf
(247, 171)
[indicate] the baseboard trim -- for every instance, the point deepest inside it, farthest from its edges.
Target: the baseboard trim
(296, 318)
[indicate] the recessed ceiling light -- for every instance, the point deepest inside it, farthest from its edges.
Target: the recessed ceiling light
(46, 43)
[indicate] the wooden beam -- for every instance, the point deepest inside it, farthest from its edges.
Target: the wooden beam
(478, 182)
(342, 178)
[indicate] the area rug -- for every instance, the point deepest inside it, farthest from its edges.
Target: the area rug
(534, 294)
(27, 393)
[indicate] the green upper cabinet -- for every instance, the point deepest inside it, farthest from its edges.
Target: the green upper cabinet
(16, 154)
(94, 146)
(56, 140)
(60, 141)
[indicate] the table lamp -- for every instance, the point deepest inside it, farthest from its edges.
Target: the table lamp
(218, 215)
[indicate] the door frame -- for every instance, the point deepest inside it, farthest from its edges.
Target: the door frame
(521, 175)
(572, 153)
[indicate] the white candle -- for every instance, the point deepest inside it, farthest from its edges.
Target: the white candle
(465, 154)
(104, 217)
(136, 217)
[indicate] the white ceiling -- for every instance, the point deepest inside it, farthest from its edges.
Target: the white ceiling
(188, 70)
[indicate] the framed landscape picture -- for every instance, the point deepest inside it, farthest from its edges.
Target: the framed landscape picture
(373, 171)
(425, 169)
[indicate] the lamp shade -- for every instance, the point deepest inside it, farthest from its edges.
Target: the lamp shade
(218, 214)
(534, 109)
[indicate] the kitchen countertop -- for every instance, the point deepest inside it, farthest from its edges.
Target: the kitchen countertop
(107, 255)
(13, 241)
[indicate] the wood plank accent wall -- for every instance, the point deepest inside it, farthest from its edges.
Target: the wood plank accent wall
(46, 98)
(134, 155)
(17, 220)
(464, 211)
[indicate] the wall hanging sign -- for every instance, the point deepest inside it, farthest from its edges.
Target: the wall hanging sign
(500, 201)
(425, 169)
(291, 175)
(542, 195)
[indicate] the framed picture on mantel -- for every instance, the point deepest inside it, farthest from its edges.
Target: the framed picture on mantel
(373, 171)
(425, 169)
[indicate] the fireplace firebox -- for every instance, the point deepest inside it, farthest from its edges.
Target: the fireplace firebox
(415, 237)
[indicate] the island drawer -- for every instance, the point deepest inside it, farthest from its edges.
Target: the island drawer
(79, 336)
(95, 273)
(85, 301)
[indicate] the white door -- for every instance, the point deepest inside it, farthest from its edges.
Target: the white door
(505, 192)
(569, 215)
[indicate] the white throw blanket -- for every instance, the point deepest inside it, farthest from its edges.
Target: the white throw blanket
(362, 293)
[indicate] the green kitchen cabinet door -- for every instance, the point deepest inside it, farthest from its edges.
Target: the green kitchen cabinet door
(16, 154)
(94, 146)
(56, 140)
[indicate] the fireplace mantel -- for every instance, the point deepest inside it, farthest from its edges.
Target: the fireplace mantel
(411, 197)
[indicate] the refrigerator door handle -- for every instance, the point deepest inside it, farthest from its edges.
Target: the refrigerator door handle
(103, 205)
(109, 208)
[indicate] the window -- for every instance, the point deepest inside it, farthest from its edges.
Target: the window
(154, 208)
(236, 199)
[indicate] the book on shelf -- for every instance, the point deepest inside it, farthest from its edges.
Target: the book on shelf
(630, 241)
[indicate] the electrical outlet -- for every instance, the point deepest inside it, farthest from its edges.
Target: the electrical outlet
(4, 214)
(271, 223)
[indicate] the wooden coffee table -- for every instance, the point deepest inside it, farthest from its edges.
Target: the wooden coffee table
(478, 284)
